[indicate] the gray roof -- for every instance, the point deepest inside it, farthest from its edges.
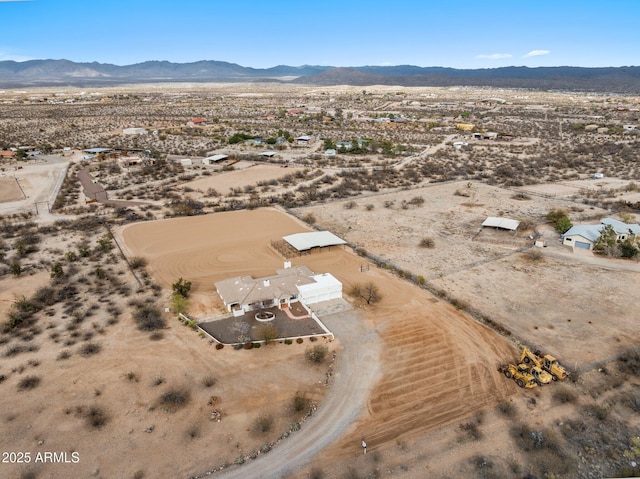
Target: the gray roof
(97, 150)
(215, 158)
(305, 241)
(590, 232)
(620, 227)
(246, 290)
(503, 223)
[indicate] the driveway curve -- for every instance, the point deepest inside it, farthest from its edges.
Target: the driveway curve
(356, 371)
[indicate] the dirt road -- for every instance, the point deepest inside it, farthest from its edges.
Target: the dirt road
(356, 372)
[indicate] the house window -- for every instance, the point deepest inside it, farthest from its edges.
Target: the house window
(568, 239)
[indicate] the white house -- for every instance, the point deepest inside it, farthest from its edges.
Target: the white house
(289, 285)
(134, 131)
(585, 236)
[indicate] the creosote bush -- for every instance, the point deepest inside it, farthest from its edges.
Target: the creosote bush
(263, 424)
(317, 353)
(28, 382)
(174, 399)
(148, 317)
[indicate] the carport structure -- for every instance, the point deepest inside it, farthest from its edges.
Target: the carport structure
(304, 243)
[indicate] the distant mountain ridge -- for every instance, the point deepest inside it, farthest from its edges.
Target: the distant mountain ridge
(66, 72)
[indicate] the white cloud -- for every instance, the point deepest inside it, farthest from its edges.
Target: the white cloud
(4, 55)
(536, 53)
(495, 56)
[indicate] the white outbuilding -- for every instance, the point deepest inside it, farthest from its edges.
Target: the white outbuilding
(325, 288)
(134, 131)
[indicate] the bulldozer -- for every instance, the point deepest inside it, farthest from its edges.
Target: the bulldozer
(544, 361)
(520, 375)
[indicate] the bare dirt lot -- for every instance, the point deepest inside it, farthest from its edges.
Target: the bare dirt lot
(9, 190)
(244, 175)
(560, 305)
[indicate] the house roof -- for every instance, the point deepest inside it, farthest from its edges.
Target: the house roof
(306, 241)
(592, 232)
(589, 232)
(215, 158)
(620, 227)
(95, 151)
(503, 223)
(199, 120)
(246, 290)
(304, 138)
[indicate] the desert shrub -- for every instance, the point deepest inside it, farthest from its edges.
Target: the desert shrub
(309, 218)
(598, 411)
(209, 381)
(137, 262)
(158, 380)
(28, 382)
(45, 296)
(427, 243)
(560, 220)
(316, 473)
(317, 353)
(472, 430)
(174, 399)
(533, 255)
(64, 355)
(564, 395)
(267, 333)
(629, 363)
(219, 346)
(89, 349)
(148, 317)
(263, 424)
(507, 408)
(349, 205)
(300, 402)
(132, 377)
(193, 431)
(288, 341)
(96, 417)
(299, 340)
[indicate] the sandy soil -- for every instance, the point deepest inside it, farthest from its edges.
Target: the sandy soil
(244, 175)
(39, 181)
(9, 190)
(549, 303)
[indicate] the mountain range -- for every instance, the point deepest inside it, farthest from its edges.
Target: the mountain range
(64, 72)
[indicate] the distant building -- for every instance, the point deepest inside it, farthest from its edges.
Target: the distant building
(212, 160)
(465, 126)
(7, 154)
(134, 131)
(304, 140)
(197, 122)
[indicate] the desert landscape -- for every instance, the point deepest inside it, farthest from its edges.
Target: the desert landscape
(96, 363)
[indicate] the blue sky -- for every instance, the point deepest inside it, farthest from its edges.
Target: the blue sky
(265, 33)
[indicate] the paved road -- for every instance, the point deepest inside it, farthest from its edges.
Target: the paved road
(356, 371)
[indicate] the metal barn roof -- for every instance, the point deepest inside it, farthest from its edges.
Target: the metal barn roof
(305, 241)
(503, 223)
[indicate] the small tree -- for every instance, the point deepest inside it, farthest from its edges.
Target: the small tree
(179, 304)
(628, 249)
(56, 271)
(606, 242)
(181, 287)
(317, 353)
(563, 225)
(15, 269)
(367, 292)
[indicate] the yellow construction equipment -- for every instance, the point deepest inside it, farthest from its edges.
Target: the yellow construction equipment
(520, 375)
(544, 361)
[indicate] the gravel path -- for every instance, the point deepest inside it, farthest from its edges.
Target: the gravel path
(356, 371)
